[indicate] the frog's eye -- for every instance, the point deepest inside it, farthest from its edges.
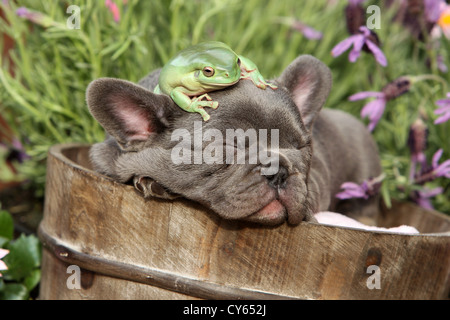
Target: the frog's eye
(208, 71)
(238, 62)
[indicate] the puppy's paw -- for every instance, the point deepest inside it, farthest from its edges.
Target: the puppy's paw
(150, 188)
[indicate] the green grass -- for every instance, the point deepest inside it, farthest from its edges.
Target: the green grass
(45, 100)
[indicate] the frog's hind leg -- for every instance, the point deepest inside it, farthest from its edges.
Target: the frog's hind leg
(250, 71)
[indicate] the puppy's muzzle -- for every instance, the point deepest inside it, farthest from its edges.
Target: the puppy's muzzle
(278, 180)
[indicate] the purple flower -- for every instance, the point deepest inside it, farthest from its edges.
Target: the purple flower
(307, 31)
(441, 64)
(353, 190)
(16, 151)
(422, 197)
(440, 170)
(417, 143)
(444, 109)
(364, 190)
(434, 171)
(374, 109)
(417, 140)
(358, 41)
(355, 2)
(433, 9)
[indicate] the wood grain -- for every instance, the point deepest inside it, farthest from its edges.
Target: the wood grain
(179, 249)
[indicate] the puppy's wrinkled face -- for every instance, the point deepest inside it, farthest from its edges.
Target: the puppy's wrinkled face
(265, 181)
(250, 161)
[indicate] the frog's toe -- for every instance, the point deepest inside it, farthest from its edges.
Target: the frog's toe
(204, 96)
(206, 117)
(261, 85)
(272, 86)
(203, 113)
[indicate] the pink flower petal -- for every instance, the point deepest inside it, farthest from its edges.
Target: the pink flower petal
(443, 170)
(374, 110)
(365, 31)
(342, 46)
(443, 103)
(428, 193)
(358, 43)
(443, 118)
(436, 157)
(114, 9)
(443, 109)
(311, 33)
(365, 94)
(371, 107)
(351, 190)
(377, 53)
(350, 185)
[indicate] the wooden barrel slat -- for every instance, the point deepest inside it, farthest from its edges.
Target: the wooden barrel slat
(159, 249)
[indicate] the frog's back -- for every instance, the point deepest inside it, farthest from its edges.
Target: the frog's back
(188, 60)
(190, 56)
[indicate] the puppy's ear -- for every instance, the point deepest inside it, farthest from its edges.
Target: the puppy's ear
(128, 112)
(309, 81)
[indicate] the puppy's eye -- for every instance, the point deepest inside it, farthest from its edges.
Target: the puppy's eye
(208, 71)
(296, 144)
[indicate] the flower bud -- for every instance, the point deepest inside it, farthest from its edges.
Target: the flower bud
(396, 88)
(355, 17)
(417, 140)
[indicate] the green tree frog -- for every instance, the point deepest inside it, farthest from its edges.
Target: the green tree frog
(193, 72)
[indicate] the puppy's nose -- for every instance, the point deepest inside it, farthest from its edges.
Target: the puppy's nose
(278, 180)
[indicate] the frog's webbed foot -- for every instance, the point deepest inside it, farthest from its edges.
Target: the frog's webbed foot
(197, 105)
(213, 104)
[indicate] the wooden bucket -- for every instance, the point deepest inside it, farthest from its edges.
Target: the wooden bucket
(121, 246)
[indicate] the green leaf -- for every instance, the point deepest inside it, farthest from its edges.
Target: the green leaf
(385, 194)
(13, 291)
(32, 279)
(6, 225)
(23, 258)
(3, 240)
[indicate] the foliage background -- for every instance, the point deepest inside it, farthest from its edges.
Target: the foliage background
(44, 101)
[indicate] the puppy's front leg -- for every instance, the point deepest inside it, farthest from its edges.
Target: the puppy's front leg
(150, 188)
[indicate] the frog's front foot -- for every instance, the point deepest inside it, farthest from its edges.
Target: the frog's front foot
(212, 104)
(198, 104)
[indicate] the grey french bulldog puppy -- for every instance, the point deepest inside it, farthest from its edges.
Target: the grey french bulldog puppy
(317, 150)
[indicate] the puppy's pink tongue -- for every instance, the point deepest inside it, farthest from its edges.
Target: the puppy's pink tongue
(272, 210)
